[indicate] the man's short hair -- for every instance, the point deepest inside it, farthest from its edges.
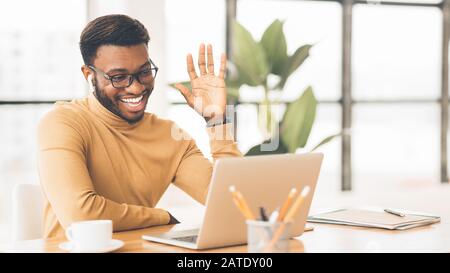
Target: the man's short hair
(115, 29)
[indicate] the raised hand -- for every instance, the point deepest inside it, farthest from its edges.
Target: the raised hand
(209, 95)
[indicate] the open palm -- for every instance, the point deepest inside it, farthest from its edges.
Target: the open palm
(208, 96)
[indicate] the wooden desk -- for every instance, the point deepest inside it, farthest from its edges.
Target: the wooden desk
(324, 238)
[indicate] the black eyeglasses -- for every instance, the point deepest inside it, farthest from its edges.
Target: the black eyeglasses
(145, 76)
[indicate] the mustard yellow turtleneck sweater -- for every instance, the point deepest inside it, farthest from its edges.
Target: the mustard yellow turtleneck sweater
(94, 165)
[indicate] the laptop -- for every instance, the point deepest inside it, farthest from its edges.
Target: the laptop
(264, 181)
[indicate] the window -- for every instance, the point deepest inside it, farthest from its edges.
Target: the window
(39, 50)
(312, 22)
(396, 56)
(40, 62)
(396, 52)
(395, 144)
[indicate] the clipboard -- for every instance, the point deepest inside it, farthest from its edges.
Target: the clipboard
(374, 219)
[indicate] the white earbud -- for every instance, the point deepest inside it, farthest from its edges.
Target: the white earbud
(91, 83)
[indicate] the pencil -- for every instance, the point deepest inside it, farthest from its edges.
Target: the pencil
(237, 202)
(241, 203)
(245, 206)
(239, 206)
(288, 218)
(286, 205)
(296, 205)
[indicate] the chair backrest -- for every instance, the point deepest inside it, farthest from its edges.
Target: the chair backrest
(27, 206)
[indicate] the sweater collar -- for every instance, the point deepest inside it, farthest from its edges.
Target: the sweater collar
(109, 117)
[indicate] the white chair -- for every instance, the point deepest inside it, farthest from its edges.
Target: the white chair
(27, 206)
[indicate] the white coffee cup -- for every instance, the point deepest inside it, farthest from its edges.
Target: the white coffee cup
(90, 235)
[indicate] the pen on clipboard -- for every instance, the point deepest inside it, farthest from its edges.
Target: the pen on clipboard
(394, 212)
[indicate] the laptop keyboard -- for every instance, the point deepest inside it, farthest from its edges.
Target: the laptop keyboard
(189, 239)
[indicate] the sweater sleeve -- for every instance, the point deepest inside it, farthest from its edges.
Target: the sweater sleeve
(194, 172)
(67, 184)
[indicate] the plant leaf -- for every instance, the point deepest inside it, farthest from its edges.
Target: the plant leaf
(233, 92)
(274, 43)
(248, 56)
(298, 58)
(298, 121)
(295, 61)
(257, 149)
(325, 141)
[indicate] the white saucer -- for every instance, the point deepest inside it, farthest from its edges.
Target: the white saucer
(113, 245)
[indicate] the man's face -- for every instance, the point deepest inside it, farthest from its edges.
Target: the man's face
(128, 103)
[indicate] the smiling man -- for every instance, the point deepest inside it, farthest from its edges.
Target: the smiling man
(104, 157)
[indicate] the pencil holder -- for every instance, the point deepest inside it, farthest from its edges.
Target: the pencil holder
(263, 236)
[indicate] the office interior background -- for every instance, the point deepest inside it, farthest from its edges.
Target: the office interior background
(378, 70)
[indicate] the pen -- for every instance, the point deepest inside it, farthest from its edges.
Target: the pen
(262, 214)
(273, 217)
(394, 212)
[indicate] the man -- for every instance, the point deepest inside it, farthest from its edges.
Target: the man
(103, 157)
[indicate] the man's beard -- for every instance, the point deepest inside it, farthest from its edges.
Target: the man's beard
(109, 104)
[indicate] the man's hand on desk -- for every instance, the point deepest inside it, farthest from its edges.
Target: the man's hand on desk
(208, 96)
